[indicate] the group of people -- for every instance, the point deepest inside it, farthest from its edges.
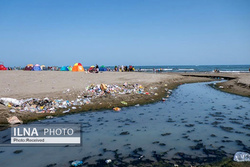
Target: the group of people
(124, 68)
(216, 70)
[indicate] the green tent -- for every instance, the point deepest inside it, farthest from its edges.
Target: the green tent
(69, 68)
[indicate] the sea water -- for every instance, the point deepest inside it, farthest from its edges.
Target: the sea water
(191, 68)
(193, 122)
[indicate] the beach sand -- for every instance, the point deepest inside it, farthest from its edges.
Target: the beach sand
(69, 85)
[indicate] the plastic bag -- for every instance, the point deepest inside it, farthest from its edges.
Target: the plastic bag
(241, 157)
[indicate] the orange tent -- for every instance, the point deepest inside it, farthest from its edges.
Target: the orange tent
(78, 67)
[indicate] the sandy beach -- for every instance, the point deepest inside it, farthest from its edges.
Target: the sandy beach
(69, 85)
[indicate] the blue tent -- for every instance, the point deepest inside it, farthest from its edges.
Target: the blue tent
(102, 68)
(36, 68)
(64, 68)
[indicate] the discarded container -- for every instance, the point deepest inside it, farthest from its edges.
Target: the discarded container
(163, 99)
(108, 161)
(14, 120)
(103, 87)
(117, 109)
(241, 157)
(76, 163)
(140, 157)
(123, 102)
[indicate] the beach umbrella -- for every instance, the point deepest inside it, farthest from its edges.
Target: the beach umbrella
(28, 67)
(91, 69)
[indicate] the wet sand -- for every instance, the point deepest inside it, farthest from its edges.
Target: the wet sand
(54, 85)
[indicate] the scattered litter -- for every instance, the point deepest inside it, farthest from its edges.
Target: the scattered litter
(117, 109)
(49, 117)
(221, 87)
(76, 163)
(92, 91)
(137, 105)
(123, 102)
(12, 110)
(163, 99)
(241, 157)
(156, 94)
(141, 157)
(103, 87)
(10, 102)
(14, 120)
(108, 161)
(66, 111)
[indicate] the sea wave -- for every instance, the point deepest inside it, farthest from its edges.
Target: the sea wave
(186, 69)
(236, 71)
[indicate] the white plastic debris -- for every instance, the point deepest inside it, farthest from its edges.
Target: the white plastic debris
(66, 111)
(12, 110)
(14, 120)
(108, 161)
(241, 157)
(7, 101)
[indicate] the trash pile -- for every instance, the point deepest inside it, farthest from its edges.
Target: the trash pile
(49, 106)
(103, 89)
(92, 91)
(41, 105)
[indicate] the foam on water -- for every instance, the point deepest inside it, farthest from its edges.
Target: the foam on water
(195, 113)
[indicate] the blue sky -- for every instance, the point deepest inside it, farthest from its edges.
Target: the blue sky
(112, 32)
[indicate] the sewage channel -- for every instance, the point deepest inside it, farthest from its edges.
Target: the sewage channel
(196, 124)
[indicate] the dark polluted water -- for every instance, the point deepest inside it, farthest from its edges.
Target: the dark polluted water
(196, 124)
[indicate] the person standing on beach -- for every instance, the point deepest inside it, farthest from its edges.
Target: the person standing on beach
(97, 68)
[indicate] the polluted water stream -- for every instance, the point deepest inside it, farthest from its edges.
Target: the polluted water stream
(197, 124)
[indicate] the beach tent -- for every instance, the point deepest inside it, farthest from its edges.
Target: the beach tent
(64, 68)
(36, 68)
(91, 69)
(69, 68)
(2, 67)
(103, 68)
(78, 67)
(29, 67)
(42, 67)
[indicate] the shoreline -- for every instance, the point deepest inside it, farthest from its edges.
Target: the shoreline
(55, 83)
(237, 83)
